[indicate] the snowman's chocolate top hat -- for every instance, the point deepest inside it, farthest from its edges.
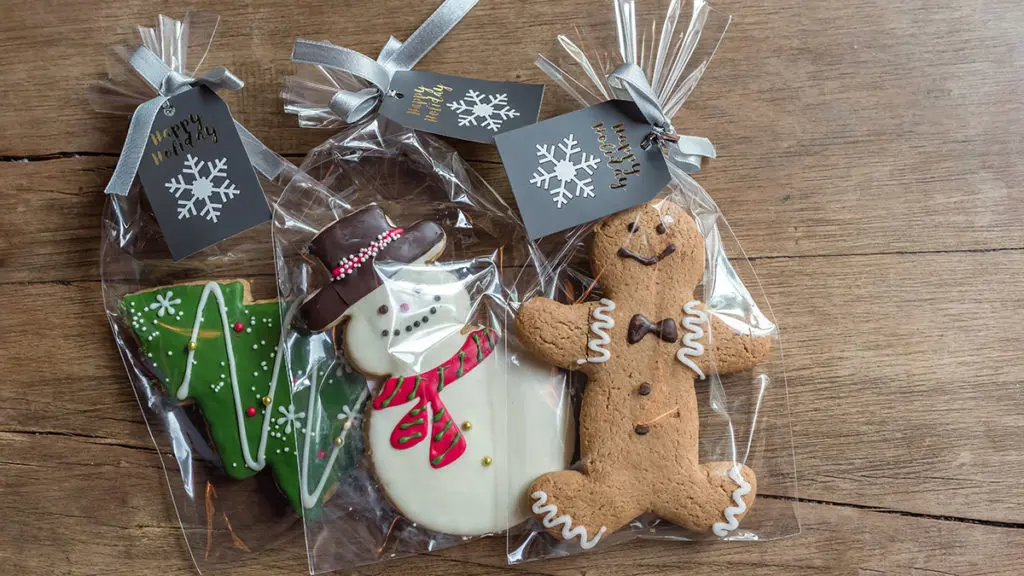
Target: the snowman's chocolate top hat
(349, 247)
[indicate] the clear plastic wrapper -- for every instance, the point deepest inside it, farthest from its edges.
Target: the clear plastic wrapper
(683, 415)
(200, 339)
(408, 266)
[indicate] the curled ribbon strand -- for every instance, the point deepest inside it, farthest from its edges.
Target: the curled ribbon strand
(686, 152)
(353, 106)
(169, 83)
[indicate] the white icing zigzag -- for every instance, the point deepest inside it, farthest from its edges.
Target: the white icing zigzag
(602, 322)
(722, 529)
(693, 325)
(551, 520)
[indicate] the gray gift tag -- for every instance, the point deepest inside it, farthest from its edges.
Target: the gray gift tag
(582, 166)
(197, 175)
(463, 108)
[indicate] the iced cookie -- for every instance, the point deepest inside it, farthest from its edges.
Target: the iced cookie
(209, 342)
(643, 347)
(456, 432)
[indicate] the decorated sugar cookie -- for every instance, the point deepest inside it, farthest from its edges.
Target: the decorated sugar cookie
(210, 343)
(456, 432)
(644, 347)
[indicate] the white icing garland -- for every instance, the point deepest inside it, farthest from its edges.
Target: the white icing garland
(551, 520)
(310, 499)
(260, 462)
(602, 322)
(693, 325)
(722, 529)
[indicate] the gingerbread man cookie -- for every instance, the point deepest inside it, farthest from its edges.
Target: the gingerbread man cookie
(643, 347)
(456, 432)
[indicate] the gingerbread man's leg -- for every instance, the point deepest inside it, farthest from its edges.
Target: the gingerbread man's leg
(577, 506)
(714, 498)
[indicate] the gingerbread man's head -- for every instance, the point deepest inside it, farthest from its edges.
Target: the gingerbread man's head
(654, 248)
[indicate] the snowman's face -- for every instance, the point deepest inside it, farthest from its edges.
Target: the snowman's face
(412, 322)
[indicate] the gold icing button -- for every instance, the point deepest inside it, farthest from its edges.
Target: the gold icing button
(192, 345)
(487, 461)
(267, 400)
(339, 441)
(467, 425)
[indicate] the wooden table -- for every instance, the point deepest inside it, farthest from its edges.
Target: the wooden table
(870, 164)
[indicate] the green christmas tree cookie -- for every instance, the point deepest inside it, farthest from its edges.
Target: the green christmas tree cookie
(210, 343)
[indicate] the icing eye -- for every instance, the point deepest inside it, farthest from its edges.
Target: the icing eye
(437, 297)
(417, 291)
(396, 332)
(384, 333)
(660, 228)
(633, 227)
(383, 309)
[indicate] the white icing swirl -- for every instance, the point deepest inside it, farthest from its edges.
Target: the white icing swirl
(552, 520)
(722, 529)
(693, 325)
(602, 322)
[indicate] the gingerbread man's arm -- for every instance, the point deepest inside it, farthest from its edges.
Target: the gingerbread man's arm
(733, 351)
(557, 333)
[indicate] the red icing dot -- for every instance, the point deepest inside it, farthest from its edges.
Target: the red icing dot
(321, 454)
(239, 326)
(250, 411)
(404, 307)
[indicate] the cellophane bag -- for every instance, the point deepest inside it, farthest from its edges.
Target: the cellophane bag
(200, 339)
(683, 415)
(406, 267)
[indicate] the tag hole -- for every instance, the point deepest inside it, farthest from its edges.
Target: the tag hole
(398, 95)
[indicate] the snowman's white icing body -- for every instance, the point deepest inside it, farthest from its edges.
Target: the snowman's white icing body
(516, 424)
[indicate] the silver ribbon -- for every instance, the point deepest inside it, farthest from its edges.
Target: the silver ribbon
(687, 152)
(169, 83)
(353, 106)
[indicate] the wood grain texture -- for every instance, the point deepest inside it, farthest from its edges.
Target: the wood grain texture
(869, 162)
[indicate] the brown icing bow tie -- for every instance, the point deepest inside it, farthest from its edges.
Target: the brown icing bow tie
(639, 326)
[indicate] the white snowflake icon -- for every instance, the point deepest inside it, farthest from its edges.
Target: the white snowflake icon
(348, 416)
(565, 170)
(164, 304)
(289, 417)
(202, 188)
(493, 112)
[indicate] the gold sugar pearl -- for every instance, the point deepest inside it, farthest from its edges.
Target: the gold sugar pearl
(339, 441)
(487, 461)
(192, 345)
(467, 425)
(267, 400)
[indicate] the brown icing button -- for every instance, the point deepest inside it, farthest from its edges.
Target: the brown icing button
(641, 429)
(645, 389)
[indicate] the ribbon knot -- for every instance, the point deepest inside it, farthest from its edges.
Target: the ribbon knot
(355, 105)
(686, 152)
(168, 83)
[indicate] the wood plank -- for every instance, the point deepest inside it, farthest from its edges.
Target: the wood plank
(112, 516)
(899, 123)
(903, 385)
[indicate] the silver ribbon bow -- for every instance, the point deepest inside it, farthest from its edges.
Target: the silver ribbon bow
(684, 151)
(169, 83)
(395, 56)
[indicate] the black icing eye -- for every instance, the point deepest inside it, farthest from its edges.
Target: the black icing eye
(384, 333)
(437, 297)
(396, 332)
(633, 227)
(383, 309)
(417, 291)
(660, 228)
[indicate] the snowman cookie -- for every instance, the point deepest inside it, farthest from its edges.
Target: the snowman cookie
(211, 344)
(456, 431)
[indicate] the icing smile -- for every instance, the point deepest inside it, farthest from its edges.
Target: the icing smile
(647, 260)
